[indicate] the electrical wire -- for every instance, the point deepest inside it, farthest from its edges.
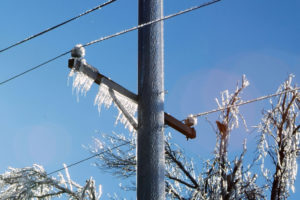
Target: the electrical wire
(114, 35)
(152, 22)
(245, 102)
(58, 25)
(34, 68)
(195, 115)
(88, 158)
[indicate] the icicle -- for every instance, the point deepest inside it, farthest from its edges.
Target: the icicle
(123, 104)
(127, 110)
(81, 82)
(103, 98)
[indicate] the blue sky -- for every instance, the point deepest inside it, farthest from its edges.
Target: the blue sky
(206, 52)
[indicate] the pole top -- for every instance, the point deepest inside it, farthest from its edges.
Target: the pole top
(78, 51)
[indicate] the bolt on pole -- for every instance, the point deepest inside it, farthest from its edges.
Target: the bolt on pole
(150, 138)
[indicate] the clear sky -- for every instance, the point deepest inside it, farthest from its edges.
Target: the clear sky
(206, 52)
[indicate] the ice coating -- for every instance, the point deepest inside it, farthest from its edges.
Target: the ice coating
(191, 120)
(104, 97)
(81, 82)
(34, 183)
(130, 107)
(78, 51)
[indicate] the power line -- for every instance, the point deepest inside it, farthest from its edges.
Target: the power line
(115, 35)
(245, 102)
(34, 68)
(152, 22)
(88, 158)
(195, 115)
(58, 25)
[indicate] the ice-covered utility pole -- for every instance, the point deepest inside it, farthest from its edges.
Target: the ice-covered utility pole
(150, 100)
(150, 138)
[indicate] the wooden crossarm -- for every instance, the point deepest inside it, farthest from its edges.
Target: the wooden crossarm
(171, 121)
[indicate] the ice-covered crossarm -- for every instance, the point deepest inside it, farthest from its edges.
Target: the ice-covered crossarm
(111, 92)
(84, 75)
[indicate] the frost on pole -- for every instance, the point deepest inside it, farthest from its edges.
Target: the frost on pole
(105, 98)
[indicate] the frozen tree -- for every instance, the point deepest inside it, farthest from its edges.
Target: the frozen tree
(279, 141)
(219, 179)
(34, 183)
(187, 178)
(230, 179)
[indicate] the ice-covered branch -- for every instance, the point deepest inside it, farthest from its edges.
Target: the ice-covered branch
(34, 183)
(280, 139)
(220, 178)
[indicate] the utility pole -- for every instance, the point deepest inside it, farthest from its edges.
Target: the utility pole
(150, 138)
(150, 100)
